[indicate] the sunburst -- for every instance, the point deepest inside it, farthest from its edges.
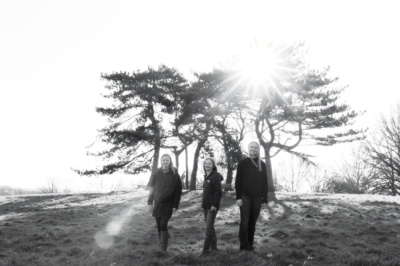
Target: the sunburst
(259, 70)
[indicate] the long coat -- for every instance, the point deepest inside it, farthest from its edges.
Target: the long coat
(212, 190)
(165, 192)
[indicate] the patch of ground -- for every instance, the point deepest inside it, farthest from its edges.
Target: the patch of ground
(117, 229)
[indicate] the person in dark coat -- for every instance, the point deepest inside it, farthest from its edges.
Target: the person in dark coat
(251, 191)
(212, 192)
(165, 194)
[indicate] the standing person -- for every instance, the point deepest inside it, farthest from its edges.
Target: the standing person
(251, 191)
(212, 192)
(165, 193)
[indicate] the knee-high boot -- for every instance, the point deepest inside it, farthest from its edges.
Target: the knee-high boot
(159, 238)
(164, 240)
(206, 246)
(214, 241)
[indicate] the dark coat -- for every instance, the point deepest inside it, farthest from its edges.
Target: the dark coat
(212, 190)
(250, 181)
(165, 192)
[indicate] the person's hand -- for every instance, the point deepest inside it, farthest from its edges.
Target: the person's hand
(174, 209)
(239, 202)
(213, 209)
(150, 208)
(265, 201)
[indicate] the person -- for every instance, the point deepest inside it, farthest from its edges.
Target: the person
(211, 198)
(251, 191)
(165, 193)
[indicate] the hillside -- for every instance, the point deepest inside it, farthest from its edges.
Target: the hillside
(116, 229)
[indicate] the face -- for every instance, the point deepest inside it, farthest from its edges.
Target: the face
(165, 162)
(208, 165)
(253, 149)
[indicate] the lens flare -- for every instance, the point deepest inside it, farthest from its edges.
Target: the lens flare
(105, 238)
(259, 71)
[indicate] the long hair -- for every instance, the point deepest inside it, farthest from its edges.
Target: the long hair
(213, 162)
(258, 163)
(171, 165)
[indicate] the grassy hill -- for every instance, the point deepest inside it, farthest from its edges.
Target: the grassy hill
(116, 229)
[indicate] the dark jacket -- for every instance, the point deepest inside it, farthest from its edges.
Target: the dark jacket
(250, 181)
(165, 192)
(212, 190)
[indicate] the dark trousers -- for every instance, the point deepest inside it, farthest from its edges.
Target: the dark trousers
(249, 213)
(210, 237)
(162, 223)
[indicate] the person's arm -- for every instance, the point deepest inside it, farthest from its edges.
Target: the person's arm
(238, 180)
(150, 186)
(216, 182)
(265, 184)
(178, 192)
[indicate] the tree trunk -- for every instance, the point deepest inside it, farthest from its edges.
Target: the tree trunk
(229, 175)
(176, 153)
(187, 168)
(271, 186)
(193, 177)
(157, 145)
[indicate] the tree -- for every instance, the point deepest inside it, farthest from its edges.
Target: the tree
(197, 115)
(230, 138)
(317, 178)
(358, 170)
(295, 104)
(218, 117)
(383, 148)
(142, 103)
(230, 124)
(292, 173)
(337, 184)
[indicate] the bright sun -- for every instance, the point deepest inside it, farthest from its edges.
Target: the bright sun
(259, 68)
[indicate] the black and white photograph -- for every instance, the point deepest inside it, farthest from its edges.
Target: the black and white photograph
(173, 132)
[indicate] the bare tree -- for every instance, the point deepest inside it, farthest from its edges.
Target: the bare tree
(383, 148)
(317, 178)
(358, 170)
(51, 186)
(291, 174)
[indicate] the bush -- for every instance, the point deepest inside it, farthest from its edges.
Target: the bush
(342, 186)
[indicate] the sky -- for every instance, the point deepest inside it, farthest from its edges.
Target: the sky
(52, 54)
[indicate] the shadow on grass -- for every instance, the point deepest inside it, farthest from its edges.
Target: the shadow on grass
(297, 230)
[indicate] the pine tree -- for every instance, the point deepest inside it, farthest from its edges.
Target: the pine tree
(294, 105)
(140, 119)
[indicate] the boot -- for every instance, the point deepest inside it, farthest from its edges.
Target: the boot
(159, 238)
(164, 240)
(206, 246)
(214, 241)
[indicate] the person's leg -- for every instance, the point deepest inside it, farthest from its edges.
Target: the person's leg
(164, 233)
(209, 230)
(244, 223)
(158, 221)
(213, 234)
(254, 213)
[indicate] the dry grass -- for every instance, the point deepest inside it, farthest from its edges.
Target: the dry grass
(115, 229)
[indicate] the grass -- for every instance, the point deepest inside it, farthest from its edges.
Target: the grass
(116, 229)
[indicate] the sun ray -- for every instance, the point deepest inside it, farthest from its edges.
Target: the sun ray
(259, 71)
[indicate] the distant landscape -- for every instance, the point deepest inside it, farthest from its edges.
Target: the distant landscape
(116, 229)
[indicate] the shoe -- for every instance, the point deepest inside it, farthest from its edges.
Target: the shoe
(204, 253)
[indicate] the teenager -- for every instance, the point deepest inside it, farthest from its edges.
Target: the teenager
(251, 191)
(165, 193)
(212, 192)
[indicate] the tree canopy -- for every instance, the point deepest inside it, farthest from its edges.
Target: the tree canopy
(281, 104)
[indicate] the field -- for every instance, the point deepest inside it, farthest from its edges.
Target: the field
(116, 229)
